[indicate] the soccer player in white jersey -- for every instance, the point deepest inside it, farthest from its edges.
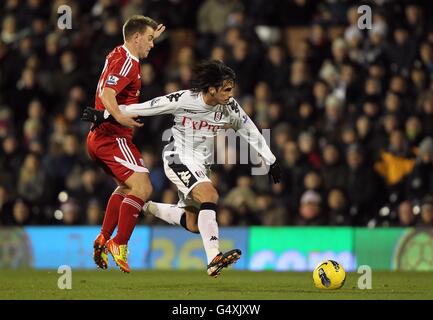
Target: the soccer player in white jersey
(199, 113)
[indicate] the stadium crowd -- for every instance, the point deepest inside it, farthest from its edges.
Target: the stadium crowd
(350, 110)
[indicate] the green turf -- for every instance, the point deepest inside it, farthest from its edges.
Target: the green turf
(98, 284)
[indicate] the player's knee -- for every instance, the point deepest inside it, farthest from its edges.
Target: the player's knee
(210, 196)
(214, 197)
(205, 193)
(143, 191)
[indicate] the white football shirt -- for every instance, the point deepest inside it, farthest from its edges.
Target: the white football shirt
(196, 124)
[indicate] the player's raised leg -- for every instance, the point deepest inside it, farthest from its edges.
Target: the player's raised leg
(205, 194)
(173, 214)
(141, 189)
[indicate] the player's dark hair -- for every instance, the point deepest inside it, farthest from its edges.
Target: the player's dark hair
(137, 23)
(210, 74)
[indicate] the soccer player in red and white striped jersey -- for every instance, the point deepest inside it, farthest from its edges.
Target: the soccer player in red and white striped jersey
(110, 144)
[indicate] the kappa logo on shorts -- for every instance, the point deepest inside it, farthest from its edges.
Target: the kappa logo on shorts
(185, 176)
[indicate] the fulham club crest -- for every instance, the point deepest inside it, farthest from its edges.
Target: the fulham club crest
(218, 116)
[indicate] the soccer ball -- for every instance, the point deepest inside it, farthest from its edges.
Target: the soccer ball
(329, 274)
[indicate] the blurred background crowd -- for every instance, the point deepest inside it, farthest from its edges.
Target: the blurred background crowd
(350, 110)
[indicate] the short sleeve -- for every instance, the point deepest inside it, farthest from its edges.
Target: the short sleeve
(118, 76)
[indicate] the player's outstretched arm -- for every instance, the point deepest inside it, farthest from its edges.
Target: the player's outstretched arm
(246, 128)
(108, 98)
(98, 117)
(156, 106)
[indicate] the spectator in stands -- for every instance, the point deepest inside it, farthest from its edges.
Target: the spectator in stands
(427, 212)
(9, 32)
(242, 199)
(402, 50)
(320, 92)
(308, 149)
(338, 208)
(419, 79)
(275, 69)
(311, 210)
(71, 114)
(406, 217)
(413, 131)
(27, 89)
(299, 86)
(262, 98)
(21, 214)
(71, 212)
(426, 55)
(332, 121)
(150, 87)
(362, 185)
(415, 20)
(243, 61)
(33, 180)
(306, 118)
(6, 206)
(426, 114)
(332, 170)
(348, 136)
(10, 163)
(69, 74)
(89, 186)
(226, 217)
(420, 180)
(271, 213)
(94, 212)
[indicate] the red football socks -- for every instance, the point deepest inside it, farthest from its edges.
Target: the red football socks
(129, 212)
(112, 214)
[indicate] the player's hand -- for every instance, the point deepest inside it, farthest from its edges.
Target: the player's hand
(160, 29)
(275, 172)
(93, 115)
(128, 121)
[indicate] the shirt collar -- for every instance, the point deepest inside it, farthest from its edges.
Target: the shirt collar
(129, 53)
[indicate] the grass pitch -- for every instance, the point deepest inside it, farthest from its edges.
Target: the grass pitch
(190, 285)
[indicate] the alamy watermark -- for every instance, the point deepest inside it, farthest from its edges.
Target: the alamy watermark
(228, 147)
(364, 21)
(65, 280)
(65, 19)
(366, 278)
